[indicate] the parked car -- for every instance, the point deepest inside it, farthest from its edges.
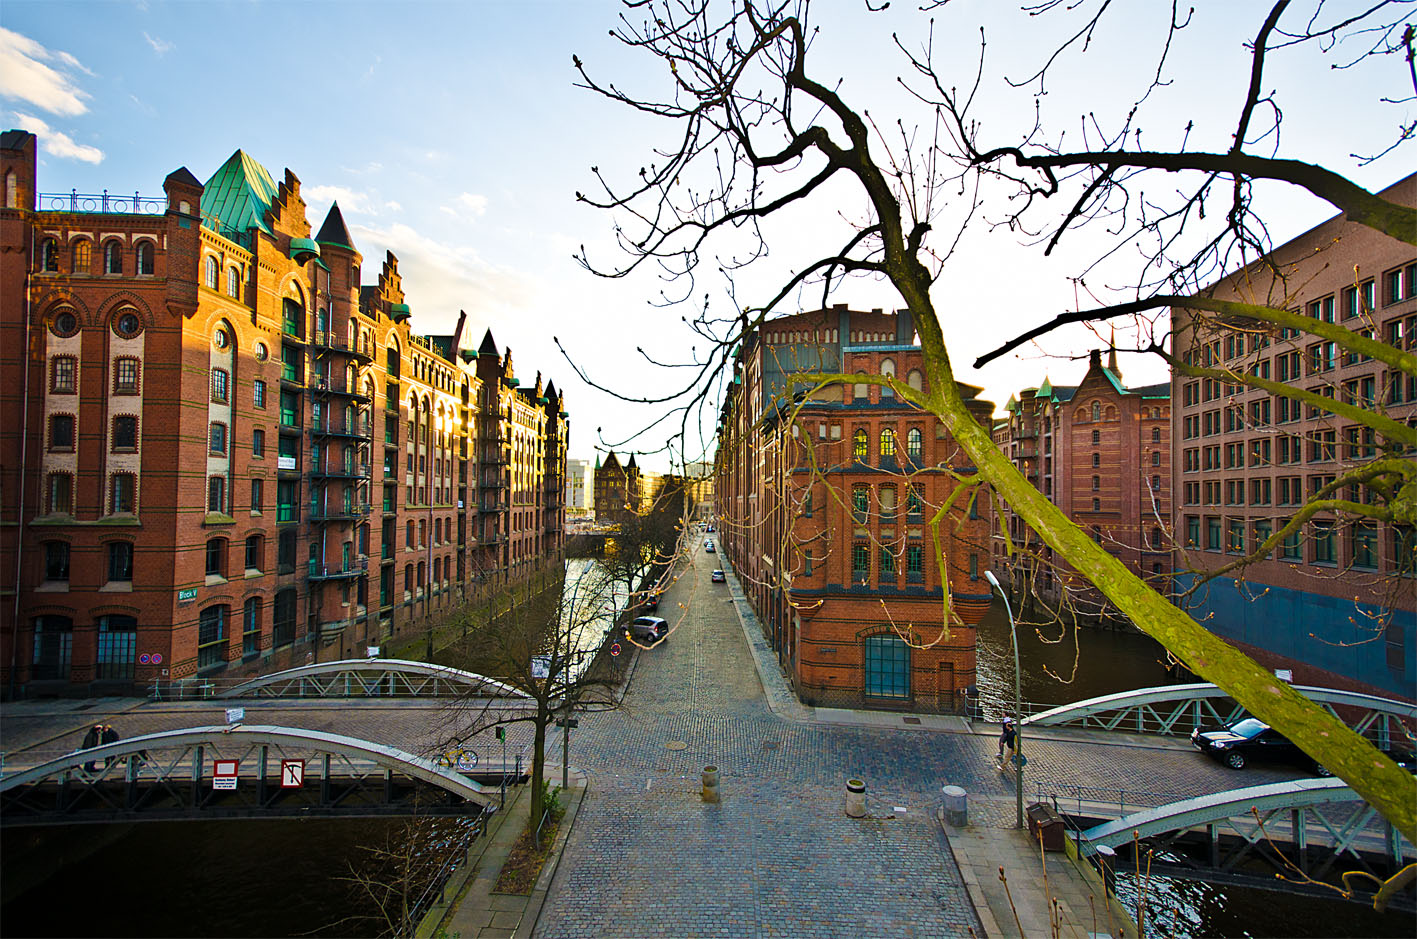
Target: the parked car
(649, 600)
(1246, 740)
(718, 577)
(708, 546)
(648, 629)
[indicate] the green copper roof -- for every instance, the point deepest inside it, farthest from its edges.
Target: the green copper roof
(239, 194)
(303, 249)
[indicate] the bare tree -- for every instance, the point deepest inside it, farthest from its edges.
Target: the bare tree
(759, 136)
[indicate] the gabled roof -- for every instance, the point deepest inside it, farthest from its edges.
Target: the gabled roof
(183, 176)
(240, 194)
(488, 347)
(631, 464)
(611, 460)
(334, 232)
(1116, 382)
(1163, 390)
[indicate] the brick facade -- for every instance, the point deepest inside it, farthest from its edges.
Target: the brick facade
(824, 498)
(220, 452)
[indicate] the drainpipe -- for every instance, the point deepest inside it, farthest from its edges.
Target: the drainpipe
(24, 474)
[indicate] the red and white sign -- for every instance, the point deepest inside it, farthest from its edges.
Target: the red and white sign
(292, 774)
(224, 774)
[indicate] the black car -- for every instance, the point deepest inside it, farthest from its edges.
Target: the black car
(1250, 739)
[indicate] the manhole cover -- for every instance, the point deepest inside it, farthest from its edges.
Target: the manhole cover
(912, 720)
(676, 745)
(770, 744)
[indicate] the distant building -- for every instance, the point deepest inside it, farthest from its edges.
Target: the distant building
(221, 452)
(579, 487)
(823, 502)
(1335, 603)
(617, 489)
(1101, 452)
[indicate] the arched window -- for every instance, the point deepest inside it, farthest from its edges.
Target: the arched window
(915, 379)
(56, 561)
(1096, 460)
(392, 360)
(145, 257)
(122, 488)
(212, 276)
(887, 442)
(120, 562)
(1156, 539)
(293, 315)
(216, 494)
(81, 256)
(233, 282)
(860, 449)
(887, 371)
(1096, 411)
(216, 557)
(1096, 483)
(1096, 437)
(49, 256)
(1156, 458)
(859, 391)
(1096, 505)
(251, 627)
(1156, 435)
(914, 443)
(113, 256)
(211, 636)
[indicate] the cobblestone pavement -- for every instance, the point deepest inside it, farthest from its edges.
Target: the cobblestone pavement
(778, 856)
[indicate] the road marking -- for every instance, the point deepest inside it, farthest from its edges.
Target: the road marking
(647, 782)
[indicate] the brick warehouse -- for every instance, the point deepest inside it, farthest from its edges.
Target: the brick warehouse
(824, 497)
(1101, 452)
(222, 453)
(1336, 602)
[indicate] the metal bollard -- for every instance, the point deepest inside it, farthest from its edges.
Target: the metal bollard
(956, 806)
(855, 798)
(710, 779)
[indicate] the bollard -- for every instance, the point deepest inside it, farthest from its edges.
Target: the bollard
(710, 793)
(855, 798)
(956, 806)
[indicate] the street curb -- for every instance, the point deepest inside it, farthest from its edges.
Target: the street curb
(537, 899)
(987, 923)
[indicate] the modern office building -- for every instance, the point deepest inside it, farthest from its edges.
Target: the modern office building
(1335, 603)
(222, 452)
(824, 496)
(578, 487)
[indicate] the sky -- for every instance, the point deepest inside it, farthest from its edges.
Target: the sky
(453, 134)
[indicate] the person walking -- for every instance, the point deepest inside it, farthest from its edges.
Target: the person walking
(1007, 740)
(108, 735)
(92, 739)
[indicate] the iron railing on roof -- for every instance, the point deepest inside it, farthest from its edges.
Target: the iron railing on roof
(104, 202)
(214, 223)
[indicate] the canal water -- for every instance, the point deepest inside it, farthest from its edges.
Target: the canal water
(296, 878)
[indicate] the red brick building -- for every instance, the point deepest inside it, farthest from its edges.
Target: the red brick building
(824, 497)
(220, 452)
(1336, 602)
(618, 488)
(1101, 452)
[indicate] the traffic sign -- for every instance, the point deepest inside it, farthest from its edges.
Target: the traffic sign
(235, 715)
(292, 774)
(615, 648)
(224, 774)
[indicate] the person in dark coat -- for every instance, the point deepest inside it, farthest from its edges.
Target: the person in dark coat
(92, 739)
(1007, 739)
(108, 735)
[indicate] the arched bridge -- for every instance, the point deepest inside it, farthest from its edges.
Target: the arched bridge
(361, 678)
(175, 774)
(1315, 824)
(1178, 709)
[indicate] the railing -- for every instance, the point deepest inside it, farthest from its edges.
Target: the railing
(435, 894)
(105, 202)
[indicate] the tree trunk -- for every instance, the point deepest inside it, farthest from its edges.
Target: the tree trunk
(538, 760)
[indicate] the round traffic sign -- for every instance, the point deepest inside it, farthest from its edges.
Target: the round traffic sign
(615, 649)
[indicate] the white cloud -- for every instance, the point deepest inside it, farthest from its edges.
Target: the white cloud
(393, 206)
(348, 199)
(467, 205)
(24, 75)
(57, 143)
(160, 46)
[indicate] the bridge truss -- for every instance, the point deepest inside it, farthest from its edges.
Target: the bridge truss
(173, 775)
(353, 678)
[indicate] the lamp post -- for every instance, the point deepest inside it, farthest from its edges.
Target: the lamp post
(1018, 705)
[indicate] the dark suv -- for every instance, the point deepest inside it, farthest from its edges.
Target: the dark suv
(1253, 739)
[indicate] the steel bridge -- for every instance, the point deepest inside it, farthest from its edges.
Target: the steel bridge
(1178, 709)
(353, 678)
(1301, 828)
(175, 775)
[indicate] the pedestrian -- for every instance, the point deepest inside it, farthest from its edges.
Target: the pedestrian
(108, 735)
(1007, 738)
(92, 739)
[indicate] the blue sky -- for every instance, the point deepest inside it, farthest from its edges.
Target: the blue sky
(451, 133)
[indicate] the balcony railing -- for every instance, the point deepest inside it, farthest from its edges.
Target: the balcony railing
(104, 202)
(322, 572)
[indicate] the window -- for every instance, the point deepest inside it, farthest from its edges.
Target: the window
(125, 376)
(1193, 531)
(49, 256)
(283, 623)
(233, 282)
(81, 255)
(1404, 550)
(258, 496)
(887, 563)
(915, 563)
(251, 627)
(914, 443)
(1156, 458)
(211, 637)
(53, 642)
(216, 494)
(212, 272)
(1155, 539)
(1096, 460)
(860, 390)
(258, 442)
(914, 507)
(860, 449)
(1235, 536)
(1096, 411)
(258, 393)
(219, 385)
(1096, 483)
(1097, 505)
(887, 667)
(1096, 437)
(807, 563)
(1212, 533)
(61, 432)
(62, 374)
(255, 552)
(1365, 545)
(120, 561)
(887, 443)
(287, 501)
(112, 257)
(1323, 547)
(860, 505)
(117, 646)
(145, 257)
(121, 488)
(217, 437)
(860, 563)
(56, 561)
(61, 494)
(125, 433)
(216, 557)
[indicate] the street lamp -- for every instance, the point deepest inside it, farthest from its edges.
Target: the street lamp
(1018, 704)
